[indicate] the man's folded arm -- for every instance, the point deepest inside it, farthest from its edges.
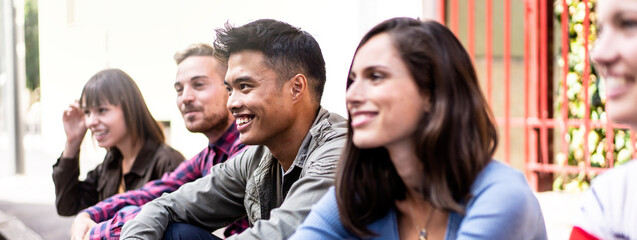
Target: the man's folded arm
(210, 202)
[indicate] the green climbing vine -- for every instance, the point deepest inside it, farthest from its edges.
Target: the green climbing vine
(622, 151)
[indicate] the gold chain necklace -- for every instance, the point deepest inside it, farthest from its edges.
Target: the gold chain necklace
(423, 231)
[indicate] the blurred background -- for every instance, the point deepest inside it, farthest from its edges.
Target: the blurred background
(60, 44)
(531, 58)
(49, 49)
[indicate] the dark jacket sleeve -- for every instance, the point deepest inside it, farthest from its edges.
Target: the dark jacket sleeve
(71, 194)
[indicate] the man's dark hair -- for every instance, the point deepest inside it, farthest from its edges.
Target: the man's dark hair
(288, 50)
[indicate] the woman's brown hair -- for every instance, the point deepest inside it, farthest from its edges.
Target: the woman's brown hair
(114, 86)
(455, 140)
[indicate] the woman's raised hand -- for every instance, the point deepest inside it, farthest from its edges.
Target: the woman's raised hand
(74, 127)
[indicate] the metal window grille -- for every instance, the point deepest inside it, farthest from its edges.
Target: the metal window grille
(545, 129)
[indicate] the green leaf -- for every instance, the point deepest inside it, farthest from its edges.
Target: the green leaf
(624, 156)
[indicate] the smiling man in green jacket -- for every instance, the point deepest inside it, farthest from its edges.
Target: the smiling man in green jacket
(275, 77)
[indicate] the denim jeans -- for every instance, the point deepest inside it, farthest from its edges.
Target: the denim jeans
(184, 231)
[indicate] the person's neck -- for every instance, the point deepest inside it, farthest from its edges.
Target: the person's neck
(129, 151)
(407, 164)
(213, 134)
(286, 145)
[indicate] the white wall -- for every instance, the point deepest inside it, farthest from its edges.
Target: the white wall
(81, 37)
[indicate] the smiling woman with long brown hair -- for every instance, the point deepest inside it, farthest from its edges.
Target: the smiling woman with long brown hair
(418, 161)
(113, 108)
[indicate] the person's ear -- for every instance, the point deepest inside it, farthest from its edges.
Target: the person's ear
(298, 86)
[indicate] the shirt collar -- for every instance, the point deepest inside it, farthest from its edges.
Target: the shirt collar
(227, 141)
(299, 161)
